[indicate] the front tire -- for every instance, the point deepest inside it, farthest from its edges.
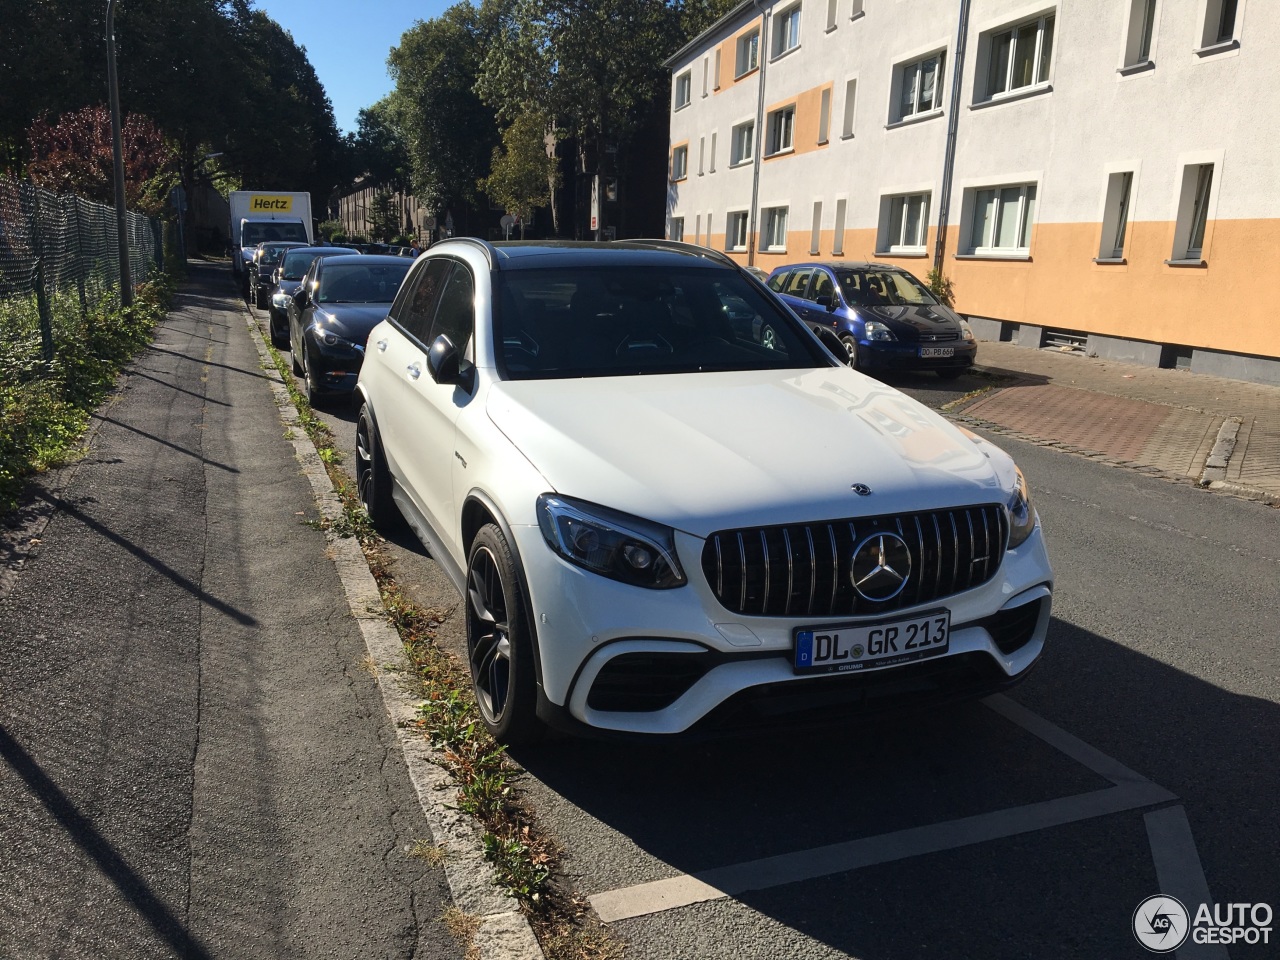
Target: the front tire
(499, 646)
(850, 349)
(314, 396)
(373, 479)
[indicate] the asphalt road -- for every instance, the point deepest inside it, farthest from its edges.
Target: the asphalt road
(193, 761)
(1135, 760)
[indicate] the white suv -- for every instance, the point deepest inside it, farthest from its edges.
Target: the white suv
(670, 507)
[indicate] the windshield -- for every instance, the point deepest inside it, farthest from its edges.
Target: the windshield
(616, 321)
(256, 233)
(361, 283)
(882, 288)
(272, 252)
(297, 262)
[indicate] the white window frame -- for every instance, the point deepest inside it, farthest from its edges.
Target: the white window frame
(1197, 201)
(1041, 65)
(850, 113)
(748, 54)
(680, 163)
(677, 229)
(735, 231)
(896, 235)
(815, 231)
(909, 74)
(1023, 225)
(1117, 214)
(781, 127)
(697, 229)
(837, 242)
(740, 153)
(773, 229)
(1140, 33)
(683, 89)
(715, 80)
(786, 31)
(711, 157)
(833, 14)
(824, 115)
(856, 10)
(706, 75)
(702, 156)
(1212, 37)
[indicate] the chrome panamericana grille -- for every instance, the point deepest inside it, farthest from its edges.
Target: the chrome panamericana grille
(804, 569)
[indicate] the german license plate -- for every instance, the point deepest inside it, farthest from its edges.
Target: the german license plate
(846, 647)
(926, 352)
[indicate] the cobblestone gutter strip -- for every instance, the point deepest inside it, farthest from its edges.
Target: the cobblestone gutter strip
(1215, 467)
(1222, 486)
(504, 932)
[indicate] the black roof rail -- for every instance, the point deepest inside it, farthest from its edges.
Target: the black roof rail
(691, 248)
(490, 251)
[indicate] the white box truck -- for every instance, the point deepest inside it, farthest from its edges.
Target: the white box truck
(258, 215)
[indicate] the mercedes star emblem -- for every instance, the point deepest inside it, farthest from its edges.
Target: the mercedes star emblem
(861, 489)
(881, 567)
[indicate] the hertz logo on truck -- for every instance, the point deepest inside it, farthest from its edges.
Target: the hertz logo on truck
(266, 204)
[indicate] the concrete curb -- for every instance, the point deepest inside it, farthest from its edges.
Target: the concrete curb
(504, 932)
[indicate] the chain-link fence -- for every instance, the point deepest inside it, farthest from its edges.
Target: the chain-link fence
(59, 258)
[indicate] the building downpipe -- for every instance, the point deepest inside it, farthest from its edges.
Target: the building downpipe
(953, 121)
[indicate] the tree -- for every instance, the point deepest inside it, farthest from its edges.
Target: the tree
(74, 155)
(449, 132)
(384, 216)
(378, 146)
(524, 173)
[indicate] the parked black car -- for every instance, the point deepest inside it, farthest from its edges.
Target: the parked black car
(885, 317)
(330, 315)
(266, 257)
(288, 276)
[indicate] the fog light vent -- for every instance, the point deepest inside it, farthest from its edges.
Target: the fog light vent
(640, 682)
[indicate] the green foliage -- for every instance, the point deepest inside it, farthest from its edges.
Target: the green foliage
(378, 146)
(523, 176)
(330, 229)
(44, 406)
(940, 286)
(384, 216)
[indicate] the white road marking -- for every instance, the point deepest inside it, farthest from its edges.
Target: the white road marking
(1131, 791)
(1179, 873)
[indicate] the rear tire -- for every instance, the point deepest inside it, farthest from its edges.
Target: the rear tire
(499, 646)
(373, 479)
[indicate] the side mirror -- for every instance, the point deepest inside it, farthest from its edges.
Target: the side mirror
(826, 300)
(445, 364)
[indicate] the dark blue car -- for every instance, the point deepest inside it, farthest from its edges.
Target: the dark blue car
(885, 317)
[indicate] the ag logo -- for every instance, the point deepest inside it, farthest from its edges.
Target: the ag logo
(1160, 923)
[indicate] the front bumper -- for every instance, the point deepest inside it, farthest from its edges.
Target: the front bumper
(334, 367)
(629, 660)
(902, 355)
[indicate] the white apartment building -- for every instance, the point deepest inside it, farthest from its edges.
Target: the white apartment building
(1101, 170)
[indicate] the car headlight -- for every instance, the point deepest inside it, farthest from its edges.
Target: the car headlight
(966, 331)
(878, 331)
(333, 340)
(612, 544)
(280, 300)
(1022, 518)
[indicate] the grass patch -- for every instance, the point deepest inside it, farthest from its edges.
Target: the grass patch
(45, 403)
(427, 852)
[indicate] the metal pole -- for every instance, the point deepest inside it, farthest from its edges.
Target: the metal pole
(757, 148)
(953, 122)
(117, 156)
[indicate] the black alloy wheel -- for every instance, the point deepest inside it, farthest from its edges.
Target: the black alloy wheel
(295, 358)
(314, 396)
(373, 479)
(498, 644)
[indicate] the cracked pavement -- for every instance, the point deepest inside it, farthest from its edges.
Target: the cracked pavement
(193, 761)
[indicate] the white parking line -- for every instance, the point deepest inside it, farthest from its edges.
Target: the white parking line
(1179, 873)
(1131, 791)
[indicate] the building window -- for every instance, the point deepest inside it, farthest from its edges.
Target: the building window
(715, 80)
(742, 145)
(833, 12)
(677, 228)
(748, 53)
(711, 159)
(735, 237)
(773, 237)
(1219, 22)
(1002, 218)
(837, 244)
(815, 233)
(702, 155)
(850, 107)
(786, 30)
(920, 86)
(684, 89)
(1019, 57)
(706, 74)
(906, 224)
(680, 163)
(1193, 212)
(697, 229)
(1115, 219)
(824, 116)
(1142, 25)
(857, 10)
(782, 128)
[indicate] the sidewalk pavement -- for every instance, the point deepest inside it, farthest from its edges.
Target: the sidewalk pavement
(1219, 433)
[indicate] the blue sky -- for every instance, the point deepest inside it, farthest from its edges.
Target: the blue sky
(348, 43)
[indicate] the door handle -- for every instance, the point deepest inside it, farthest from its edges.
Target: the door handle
(382, 346)
(414, 371)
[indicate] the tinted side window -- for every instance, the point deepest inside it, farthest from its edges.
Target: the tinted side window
(456, 316)
(822, 286)
(796, 285)
(419, 306)
(779, 281)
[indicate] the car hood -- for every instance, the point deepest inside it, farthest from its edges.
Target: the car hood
(923, 319)
(714, 451)
(351, 321)
(288, 286)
